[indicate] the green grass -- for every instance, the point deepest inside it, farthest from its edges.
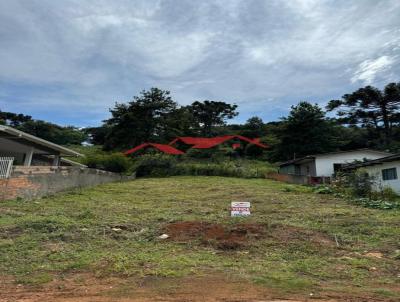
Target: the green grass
(73, 232)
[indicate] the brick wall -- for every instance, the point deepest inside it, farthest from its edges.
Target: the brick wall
(35, 182)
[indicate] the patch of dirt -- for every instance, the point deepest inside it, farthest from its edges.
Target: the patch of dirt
(11, 232)
(224, 237)
(85, 287)
(228, 237)
(374, 255)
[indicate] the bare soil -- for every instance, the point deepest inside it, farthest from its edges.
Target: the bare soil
(227, 237)
(84, 287)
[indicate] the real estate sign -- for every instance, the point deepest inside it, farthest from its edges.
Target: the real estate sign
(240, 208)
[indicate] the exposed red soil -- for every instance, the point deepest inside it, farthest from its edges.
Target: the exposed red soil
(84, 287)
(228, 237)
(222, 236)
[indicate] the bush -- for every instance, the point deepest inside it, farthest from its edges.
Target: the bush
(253, 151)
(115, 162)
(155, 165)
(357, 187)
(361, 183)
(164, 165)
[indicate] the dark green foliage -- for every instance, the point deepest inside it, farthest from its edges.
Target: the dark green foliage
(371, 108)
(305, 131)
(254, 128)
(98, 135)
(54, 133)
(360, 183)
(156, 165)
(116, 162)
(209, 114)
(253, 151)
(13, 119)
(142, 120)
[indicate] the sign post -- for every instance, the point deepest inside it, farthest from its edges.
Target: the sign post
(240, 208)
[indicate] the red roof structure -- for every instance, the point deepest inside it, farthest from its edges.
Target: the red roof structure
(160, 147)
(206, 143)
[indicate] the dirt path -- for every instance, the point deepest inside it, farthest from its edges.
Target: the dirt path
(86, 288)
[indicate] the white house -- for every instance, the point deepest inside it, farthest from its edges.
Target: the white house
(326, 164)
(384, 171)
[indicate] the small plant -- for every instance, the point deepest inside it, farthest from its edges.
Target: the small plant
(323, 189)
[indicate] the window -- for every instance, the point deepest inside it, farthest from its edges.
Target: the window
(389, 174)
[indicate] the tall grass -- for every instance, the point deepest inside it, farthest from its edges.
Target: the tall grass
(162, 165)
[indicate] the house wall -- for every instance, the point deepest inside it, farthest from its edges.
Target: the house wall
(34, 182)
(291, 169)
(324, 163)
(376, 172)
(308, 169)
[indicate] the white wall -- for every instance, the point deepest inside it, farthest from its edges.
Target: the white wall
(324, 163)
(376, 172)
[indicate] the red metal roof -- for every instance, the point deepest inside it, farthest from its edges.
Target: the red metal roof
(206, 143)
(160, 147)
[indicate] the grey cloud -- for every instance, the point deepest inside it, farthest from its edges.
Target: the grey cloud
(264, 55)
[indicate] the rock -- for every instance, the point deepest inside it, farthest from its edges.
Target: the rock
(116, 229)
(163, 236)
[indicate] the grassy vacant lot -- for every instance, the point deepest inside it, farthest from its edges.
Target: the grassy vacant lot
(306, 243)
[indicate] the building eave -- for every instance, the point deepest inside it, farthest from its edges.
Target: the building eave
(38, 141)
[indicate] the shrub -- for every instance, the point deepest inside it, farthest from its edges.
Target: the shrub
(164, 165)
(115, 162)
(253, 151)
(155, 165)
(361, 183)
(358, 187)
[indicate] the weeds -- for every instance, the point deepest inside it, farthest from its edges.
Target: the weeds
(114, 229)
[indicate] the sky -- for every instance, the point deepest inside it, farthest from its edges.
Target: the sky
(69, 61)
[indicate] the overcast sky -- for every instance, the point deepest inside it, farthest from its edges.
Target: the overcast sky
(68, 61)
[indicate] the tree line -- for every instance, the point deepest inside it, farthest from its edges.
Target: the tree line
(365, 118)
(54, 133)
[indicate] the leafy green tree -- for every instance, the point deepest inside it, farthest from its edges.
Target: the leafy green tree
(305, 131)
(254, 127)
(97, 135)
(13, 119)
(54, 133)
(209, 114)
(141, 120)
(370, 108)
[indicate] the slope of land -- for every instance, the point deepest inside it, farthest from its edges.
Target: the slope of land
(102, 244)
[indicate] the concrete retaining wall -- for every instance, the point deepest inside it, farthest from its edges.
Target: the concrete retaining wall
(35, 182)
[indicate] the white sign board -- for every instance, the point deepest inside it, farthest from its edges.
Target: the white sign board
(240, 208)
